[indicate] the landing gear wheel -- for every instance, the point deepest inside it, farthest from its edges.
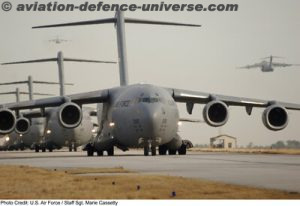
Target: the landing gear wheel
(153, 150)
(162, 150)
(146, 150)
(182, 150)
(99, 153)
(75, 147)
(110, 152)
(70, 147)
(172, 152)
(90, 152)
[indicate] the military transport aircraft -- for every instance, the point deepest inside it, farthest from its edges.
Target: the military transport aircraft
(142, 115)
(55, 135)
(58, 40)
(268, 66)
(20, 139)
(23, 136)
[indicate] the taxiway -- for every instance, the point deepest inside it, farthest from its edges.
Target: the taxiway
(264, 171)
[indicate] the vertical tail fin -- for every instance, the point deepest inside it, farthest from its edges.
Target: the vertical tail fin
(60, 62)
(119, 20)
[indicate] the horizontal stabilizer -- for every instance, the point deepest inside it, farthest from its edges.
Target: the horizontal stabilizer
(278, 57)
(43, 82)
(35, 82)
(55, 60)
(11, 83)
(42, 94)
(114, 20)
(31, 61)
(140, 21)
(79, 23)
(88, 61)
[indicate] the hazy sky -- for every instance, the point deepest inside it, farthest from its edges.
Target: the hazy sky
(201, 59)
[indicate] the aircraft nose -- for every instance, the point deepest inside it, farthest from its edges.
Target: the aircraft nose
(153, 120)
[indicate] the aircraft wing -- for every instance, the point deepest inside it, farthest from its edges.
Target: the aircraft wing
(39, 113)
(192, 97)
(183, 119)
(283, 65)
(251, 66)
(81, 98)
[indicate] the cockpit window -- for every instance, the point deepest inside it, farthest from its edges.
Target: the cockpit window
(127, 103)
(149, 99)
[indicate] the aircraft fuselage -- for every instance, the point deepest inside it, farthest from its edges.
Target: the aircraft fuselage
(139, 113)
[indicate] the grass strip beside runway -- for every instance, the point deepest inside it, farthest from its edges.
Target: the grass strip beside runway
(23, 182)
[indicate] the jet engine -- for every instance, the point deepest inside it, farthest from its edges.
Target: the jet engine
(275, 117)
(69, 115)
(7, 121)
(215, 113)
(22, 125)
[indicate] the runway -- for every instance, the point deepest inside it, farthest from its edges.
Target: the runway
(265, 171)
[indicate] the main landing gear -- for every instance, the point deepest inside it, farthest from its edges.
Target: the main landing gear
(91, 150)
(163, 149)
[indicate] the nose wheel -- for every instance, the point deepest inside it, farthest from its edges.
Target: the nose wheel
(147, 148)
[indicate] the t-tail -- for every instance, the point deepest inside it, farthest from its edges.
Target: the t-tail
(18, 93)
(119, 21)
(60, 62)
(30, 83)
(271, 59)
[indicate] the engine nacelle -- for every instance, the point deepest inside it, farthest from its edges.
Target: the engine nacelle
(7, 121)
(22, 125)
(215, 113)
(275, 117)
(70, 115)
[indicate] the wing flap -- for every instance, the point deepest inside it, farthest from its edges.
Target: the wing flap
(186, 96)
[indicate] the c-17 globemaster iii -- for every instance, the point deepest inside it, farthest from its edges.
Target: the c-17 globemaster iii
(143, 115)
(55, 135)
(23, 137)
(268, 66)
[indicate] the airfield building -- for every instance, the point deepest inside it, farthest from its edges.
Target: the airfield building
(223, 141)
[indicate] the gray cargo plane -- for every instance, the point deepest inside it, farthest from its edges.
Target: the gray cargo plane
(25, 136)
(58, 40)
(21, 139)
(268, 66)
(143, 115)
(55, 135)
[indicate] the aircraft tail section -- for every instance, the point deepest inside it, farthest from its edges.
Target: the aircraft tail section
(60, 62)
(119, 20)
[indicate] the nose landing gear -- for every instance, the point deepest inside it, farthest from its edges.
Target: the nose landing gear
(147, 147)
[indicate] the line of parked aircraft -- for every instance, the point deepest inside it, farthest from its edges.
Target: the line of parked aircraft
(129, 116)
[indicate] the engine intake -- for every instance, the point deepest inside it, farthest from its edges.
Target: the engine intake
(22, 125)
(215, 113)
(7, 121)
(275, 117)
(69, 115)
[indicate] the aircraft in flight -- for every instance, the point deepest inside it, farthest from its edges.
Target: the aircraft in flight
(58, 40)
(268, 66)
(55, 135)
(143, 115)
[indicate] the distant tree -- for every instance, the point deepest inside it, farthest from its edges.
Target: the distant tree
(278, 145)
(250, 145)
(293, 144)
